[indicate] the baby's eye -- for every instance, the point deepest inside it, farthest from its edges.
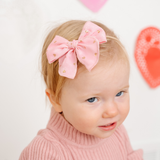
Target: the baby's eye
(91, 100)
(119, 94)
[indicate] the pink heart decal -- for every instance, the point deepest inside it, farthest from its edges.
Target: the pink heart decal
(147, 55)
(94, 5)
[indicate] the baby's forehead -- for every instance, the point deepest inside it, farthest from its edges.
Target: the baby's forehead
(103, 65)
(102, 74)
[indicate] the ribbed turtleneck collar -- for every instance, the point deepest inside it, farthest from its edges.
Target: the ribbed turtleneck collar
(63, 129)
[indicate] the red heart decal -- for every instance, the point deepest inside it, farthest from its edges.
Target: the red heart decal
(94, 5)
(147, 55)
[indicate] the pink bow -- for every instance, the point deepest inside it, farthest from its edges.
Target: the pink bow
(86, 49)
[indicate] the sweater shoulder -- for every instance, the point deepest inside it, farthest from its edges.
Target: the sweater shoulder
(131, 154)
(42, 147)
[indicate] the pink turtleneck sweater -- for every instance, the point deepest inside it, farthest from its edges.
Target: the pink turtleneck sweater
(61, 141)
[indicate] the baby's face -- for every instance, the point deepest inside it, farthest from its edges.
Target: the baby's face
(95, 99)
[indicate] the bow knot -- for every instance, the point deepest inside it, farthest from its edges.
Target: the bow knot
(85, 49)
(73, 44)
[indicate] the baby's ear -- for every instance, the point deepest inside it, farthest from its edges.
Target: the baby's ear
(53, 101)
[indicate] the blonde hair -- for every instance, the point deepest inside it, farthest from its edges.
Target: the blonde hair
(71, 31)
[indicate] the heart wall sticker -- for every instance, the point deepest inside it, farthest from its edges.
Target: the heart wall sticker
(94, 5)
(147, 55)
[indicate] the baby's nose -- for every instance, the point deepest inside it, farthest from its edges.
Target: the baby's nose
(111, 110)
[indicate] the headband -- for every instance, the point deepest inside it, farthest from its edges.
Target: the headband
(86, 49)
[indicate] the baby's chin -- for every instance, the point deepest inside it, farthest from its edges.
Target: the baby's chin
(104, 134)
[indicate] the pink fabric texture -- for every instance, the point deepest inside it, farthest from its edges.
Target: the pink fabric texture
(61, 141)
(86, 49)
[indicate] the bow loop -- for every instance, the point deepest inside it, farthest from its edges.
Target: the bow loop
(91, 29)
(57, 48)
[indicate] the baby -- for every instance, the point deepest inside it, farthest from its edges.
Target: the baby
(86, 71)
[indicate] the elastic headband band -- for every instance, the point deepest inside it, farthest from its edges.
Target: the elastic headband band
(118, 42)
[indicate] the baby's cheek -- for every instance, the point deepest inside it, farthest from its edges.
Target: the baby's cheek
(125, 110)
(84, 123)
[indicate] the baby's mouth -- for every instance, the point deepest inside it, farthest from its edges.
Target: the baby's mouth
(109, 124)
(108, 127)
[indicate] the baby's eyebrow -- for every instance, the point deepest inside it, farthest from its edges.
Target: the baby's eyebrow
(125, 87)
(90, 94)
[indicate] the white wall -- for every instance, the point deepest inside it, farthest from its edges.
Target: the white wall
(22, 97)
